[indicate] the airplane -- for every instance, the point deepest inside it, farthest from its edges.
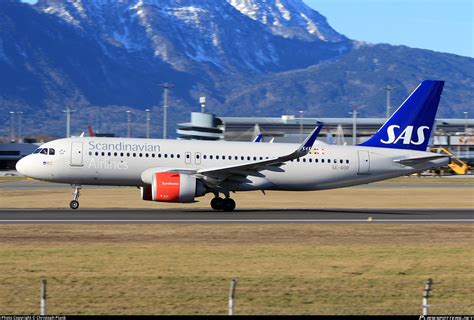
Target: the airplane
(181, 170)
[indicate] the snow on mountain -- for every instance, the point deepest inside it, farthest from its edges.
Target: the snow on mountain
(289, 18)
(182, 32)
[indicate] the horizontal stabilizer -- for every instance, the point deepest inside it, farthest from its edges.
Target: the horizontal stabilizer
(411, 161)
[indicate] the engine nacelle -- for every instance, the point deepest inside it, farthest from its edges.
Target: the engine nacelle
(146, 193)
(173, 187)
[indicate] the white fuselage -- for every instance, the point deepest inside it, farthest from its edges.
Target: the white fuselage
(121, 162)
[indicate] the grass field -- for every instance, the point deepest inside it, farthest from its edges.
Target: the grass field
(281, 269)
(379, 197)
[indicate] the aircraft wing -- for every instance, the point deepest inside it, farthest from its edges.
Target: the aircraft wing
(215, 176)
(222, 173)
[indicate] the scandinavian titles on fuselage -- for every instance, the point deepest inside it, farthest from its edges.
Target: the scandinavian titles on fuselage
(122, 146)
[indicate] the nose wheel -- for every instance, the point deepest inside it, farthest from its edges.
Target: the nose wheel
(74, 204)
(226, 204)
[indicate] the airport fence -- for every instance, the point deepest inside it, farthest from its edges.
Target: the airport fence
(427, 308)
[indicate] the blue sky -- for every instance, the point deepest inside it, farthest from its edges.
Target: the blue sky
(440, 25)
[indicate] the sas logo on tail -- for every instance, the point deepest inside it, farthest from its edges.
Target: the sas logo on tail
(406, 135)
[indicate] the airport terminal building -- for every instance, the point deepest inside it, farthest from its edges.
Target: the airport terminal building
(454, 134)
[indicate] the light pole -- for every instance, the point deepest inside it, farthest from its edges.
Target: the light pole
(202, 102)
(388, 88)
(301, 125)
(465, 122)
(129, 123)
(20, 125)
(354, 127)
(12, 126)
(166, 87)
(68, 112)
(148, 118)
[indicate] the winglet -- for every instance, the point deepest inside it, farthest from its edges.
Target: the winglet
(309, 141)
(258, 138)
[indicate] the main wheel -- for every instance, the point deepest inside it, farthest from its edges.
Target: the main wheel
(74, 204)
(217, 203)
(228, 205)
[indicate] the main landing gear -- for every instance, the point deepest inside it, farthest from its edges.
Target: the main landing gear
(226, 204)
(74, 204)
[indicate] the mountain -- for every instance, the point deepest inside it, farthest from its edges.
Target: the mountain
(252, 57)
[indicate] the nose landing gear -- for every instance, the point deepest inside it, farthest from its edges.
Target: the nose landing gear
(74, 204)
(226, 204)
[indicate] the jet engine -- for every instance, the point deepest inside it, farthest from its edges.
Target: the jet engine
(173, 187)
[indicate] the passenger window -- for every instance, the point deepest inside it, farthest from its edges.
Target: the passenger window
(146, 155)
(141, 154)
(152, 155)
(254, 158)
(242, 158)
(128, 154)
(172, 155)
(341, 161)
(44, 151)
(197, 156)
(310, 160)
(115, 154)
(322, 160)
(134, 155)
(204, 157)
(109, 154)
(261, 158)
(248, 158)
(217, 157)
(178, 156)
(347, 161)
(121, 154)
(304, 160)
(166, 155)
(316, 160)
(236, 158)
(329, 160)
(298, 160)
(210, 157)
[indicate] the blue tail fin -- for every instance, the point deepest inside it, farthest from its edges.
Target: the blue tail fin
(410, 126)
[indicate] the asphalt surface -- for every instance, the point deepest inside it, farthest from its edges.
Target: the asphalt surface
(247, 216)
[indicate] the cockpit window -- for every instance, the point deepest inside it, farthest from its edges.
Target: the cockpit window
(44, 151)
(51, 151)
(38, 150)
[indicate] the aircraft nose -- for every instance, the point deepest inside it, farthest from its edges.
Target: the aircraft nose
(22, 166)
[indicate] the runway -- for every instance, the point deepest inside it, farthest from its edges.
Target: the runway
(247, 216)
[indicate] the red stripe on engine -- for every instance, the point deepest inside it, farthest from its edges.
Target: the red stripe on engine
(167, 185)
